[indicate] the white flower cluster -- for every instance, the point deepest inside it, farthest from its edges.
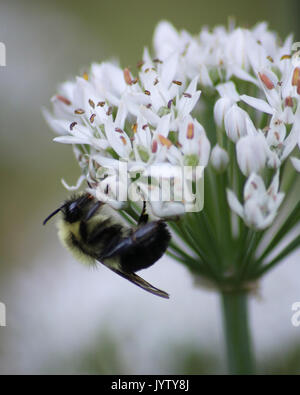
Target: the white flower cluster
(152, 118)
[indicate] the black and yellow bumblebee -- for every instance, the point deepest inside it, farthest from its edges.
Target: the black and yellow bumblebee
(90, 231)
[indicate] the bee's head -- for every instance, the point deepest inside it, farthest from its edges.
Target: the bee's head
(77, 208)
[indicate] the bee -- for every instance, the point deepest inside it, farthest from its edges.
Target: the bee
(90, 231)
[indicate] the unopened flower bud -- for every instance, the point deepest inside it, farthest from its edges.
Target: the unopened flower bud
(251, 154)
(219, 159)
(222, 105)
(235, 123)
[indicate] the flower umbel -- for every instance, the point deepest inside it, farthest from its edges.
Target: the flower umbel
(154, 116)
(234, 89)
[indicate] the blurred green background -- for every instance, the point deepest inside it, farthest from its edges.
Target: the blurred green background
(62, 318)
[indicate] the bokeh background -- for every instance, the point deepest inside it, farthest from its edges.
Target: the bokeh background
(65, 318)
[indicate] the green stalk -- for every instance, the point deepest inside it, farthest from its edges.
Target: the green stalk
(237, 334)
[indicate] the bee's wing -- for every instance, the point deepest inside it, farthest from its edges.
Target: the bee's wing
(140, 282)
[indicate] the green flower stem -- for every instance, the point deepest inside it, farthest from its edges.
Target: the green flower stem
(238, 342)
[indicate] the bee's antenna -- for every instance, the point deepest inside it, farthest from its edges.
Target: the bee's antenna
(52, 214)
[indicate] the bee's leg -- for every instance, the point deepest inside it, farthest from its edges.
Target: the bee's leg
(144, 216)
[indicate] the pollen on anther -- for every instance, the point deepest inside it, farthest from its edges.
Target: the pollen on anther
(85, 76)
(276, 134)
(144, 127)
(289, 101)
(119, 130)
(155, 81)
(270, 59)
(79, 111)
(185, 94)
(170, 102)
(127, 76)
(92, 118)
(164, 141)
(134, 127)
(285, 57)
(109, 111)
(156, 60)
(101, 104)
(296, 76)
(177, 82)
(123, 140)
(72, 125)
(91, 103)
(154, 146)
(266, 81)
(148, 93)
(190, 131)
(63, 100)
(140, 64)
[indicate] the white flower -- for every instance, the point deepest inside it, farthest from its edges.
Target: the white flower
(251, 154)
(260, 205)
(219, 158)
(229, 96)
(235, 123)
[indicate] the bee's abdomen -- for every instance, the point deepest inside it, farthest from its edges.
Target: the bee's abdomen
(145, 251)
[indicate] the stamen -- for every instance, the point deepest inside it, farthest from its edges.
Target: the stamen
(285, 57)
(134, 127)
(156, 60)
(140, 64)
(155, 81)
(101, 104)
(109, 111)
(127, 76)
(296, 76)
(298, 87)
(92, 118)
(177, 82)
(123, 140)
(119, 130)
(144, 127)
(270, 58)
(185, 94)
(85, 76)
(72, 125)
(276, 134)
(79, 111)
(135, 81)
(63, 100)
(190, 131)
(154, 146)
(91, 103)
(149, 105)
(170, 102)
(289, 101)
(164, 141)
(266, 81)
(148, 93)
